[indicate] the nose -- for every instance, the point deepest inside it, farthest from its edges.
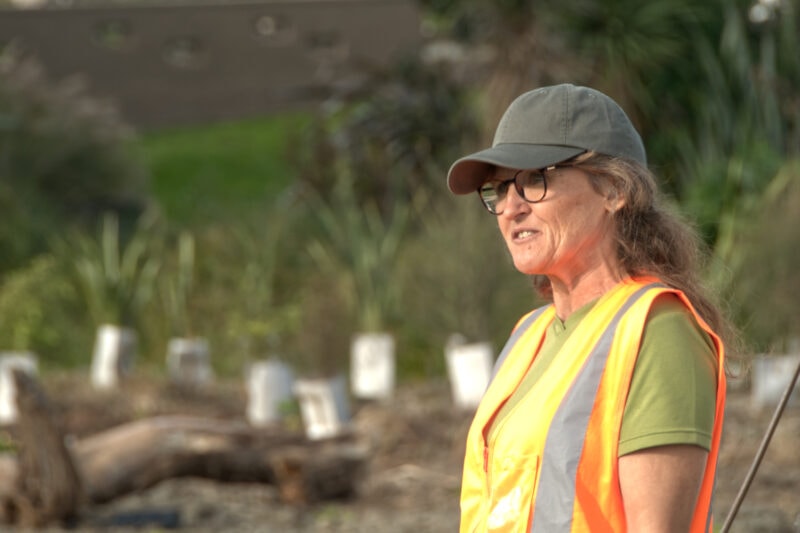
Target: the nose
(514, 203)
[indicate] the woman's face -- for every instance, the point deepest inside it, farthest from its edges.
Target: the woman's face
(565, 236)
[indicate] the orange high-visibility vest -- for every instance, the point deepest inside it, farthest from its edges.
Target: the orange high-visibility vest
(552, 464)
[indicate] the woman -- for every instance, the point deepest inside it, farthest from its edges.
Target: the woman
(605, 410)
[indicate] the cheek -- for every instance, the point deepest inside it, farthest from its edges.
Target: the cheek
(584, 224)
(502, 225)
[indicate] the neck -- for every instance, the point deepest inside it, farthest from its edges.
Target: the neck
(572, 294)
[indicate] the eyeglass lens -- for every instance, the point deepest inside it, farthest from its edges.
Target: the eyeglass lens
(529, 184)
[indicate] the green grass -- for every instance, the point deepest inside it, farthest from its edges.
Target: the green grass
(217, 171)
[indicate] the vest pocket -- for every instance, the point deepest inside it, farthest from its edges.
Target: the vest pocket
(511, 493)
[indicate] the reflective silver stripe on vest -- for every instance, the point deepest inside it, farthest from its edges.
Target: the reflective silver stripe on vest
(555, 498)
(515, 335)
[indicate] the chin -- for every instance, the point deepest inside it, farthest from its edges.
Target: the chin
(527, 269)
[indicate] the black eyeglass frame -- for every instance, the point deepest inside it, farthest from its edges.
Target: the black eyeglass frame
(520, 190)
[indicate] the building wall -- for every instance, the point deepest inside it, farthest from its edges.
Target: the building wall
(183, 64)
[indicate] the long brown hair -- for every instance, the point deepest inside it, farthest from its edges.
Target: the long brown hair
(652, 239)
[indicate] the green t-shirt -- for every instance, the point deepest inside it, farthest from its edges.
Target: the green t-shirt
(672, 398)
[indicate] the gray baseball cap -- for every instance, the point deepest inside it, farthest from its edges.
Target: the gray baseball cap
(547, 126)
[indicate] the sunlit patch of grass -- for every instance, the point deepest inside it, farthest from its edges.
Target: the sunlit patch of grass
(216, 171)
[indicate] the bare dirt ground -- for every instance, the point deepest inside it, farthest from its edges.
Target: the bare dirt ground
(412, 483)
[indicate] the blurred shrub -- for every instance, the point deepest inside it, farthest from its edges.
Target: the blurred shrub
(321, 345)
(65, 158)
(765, 287)
(40, 311)
(249, 278)
(395, 134)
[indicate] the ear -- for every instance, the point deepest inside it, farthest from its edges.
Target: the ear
(613, 201)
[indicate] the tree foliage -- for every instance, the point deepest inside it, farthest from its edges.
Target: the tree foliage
(392, 135)
(65, 159)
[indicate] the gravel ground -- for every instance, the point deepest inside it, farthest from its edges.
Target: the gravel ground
(412, 482)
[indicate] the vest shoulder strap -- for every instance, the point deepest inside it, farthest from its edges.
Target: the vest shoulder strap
(518, 332)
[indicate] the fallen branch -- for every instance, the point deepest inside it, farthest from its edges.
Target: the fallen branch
(48, 481)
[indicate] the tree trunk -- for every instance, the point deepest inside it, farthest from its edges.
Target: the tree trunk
(49, 481)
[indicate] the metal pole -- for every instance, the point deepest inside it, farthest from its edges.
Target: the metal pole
(761, 451)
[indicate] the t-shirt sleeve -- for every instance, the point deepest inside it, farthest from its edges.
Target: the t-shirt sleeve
(672, 398)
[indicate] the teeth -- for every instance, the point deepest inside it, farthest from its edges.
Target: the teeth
(523, 234)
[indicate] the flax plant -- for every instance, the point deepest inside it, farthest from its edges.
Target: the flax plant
(360, 246)
(178, 286)
(116, 278)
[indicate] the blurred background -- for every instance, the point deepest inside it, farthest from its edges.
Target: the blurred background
(270, 175)
(206, 185)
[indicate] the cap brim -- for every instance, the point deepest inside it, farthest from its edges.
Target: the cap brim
(468, 173)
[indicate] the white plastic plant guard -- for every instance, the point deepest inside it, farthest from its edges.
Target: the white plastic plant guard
(324, 406)
(189, 361)
(114, 351)
(771, 376)
(269, 387)
(372, 366)
(469, 368)
(25, 361)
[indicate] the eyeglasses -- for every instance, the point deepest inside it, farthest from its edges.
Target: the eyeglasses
(531, 186)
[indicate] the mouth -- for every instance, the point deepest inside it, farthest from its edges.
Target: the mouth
(522, 235)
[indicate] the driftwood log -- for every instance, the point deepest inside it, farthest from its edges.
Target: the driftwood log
(48, 481)
(43, 484)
